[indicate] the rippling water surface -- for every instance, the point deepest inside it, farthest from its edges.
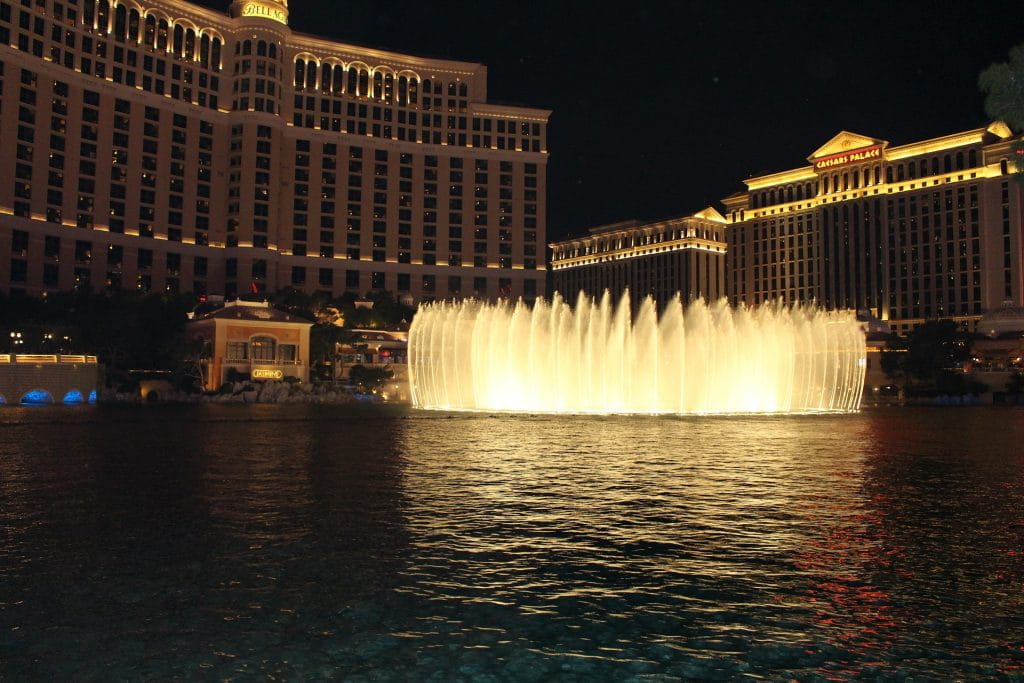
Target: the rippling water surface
(305, 541)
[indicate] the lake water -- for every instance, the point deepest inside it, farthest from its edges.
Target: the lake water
(389, 544)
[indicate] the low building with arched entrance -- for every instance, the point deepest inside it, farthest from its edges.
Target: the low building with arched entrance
(250, 340)
(48, 379)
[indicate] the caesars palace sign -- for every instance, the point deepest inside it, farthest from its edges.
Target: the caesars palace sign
(853, 156)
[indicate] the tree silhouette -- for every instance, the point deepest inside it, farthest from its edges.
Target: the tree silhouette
(1003, 85)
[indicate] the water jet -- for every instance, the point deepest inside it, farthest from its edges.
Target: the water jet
(595, 358)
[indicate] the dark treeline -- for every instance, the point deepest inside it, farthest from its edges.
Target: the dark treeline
(137, 331)
(930, 360)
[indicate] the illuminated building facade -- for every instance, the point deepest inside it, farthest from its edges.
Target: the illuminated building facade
(251, 341)
(685, 255)
(926, 230)
(163, 146)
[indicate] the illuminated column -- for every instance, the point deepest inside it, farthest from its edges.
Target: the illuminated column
(257, 64)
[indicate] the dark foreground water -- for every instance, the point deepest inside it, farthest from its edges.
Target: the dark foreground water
(305, 542)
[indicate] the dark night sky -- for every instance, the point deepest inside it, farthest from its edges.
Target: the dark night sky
(661, 110)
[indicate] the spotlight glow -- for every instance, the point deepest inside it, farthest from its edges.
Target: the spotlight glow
(36, 397)
(73, 398)
(592, 358)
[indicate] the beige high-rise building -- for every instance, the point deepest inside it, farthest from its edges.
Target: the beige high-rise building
(925, 230)
(163, 146)
(682, 255)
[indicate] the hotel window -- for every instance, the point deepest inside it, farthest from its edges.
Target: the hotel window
(50, 274)
(19, 270)
(51, 247)
(83, 251)
(19, 243)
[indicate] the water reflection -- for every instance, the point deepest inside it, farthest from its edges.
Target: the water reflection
(915, 569)
(686, 536)
(310, 532)
(245, 522)
(303, 542)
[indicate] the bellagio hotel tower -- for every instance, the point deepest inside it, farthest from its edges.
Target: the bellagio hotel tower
(162, 146)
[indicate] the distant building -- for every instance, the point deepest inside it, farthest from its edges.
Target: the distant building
(925, 230)
(998, 349)
(877, 333)
(385, 349)
(684, 255)
(164, 146)
(253, 340)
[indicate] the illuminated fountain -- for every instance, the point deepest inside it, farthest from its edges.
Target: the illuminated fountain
(592, 358)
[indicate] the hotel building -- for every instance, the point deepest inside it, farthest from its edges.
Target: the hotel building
(685, 255)
(162, 146)
(926, 230)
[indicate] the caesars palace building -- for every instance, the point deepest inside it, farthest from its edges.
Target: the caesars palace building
(913, 232)
(907, 233)
(162, 146)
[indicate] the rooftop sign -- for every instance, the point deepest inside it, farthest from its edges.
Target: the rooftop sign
(851, 157)
(265, 10)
